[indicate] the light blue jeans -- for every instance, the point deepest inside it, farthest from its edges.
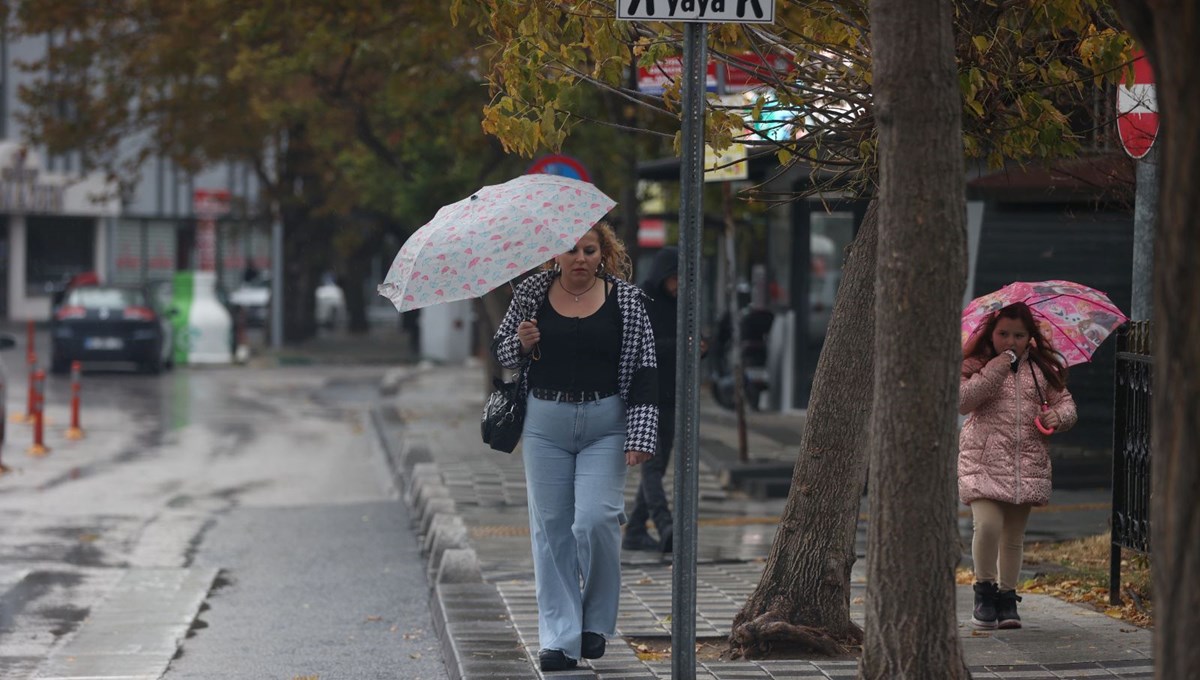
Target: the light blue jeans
(575, 474)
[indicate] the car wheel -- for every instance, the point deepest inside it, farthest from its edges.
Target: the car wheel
(153, 366)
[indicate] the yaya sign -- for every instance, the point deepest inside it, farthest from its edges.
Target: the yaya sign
(721, 11)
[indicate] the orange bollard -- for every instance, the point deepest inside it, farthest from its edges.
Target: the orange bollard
(75, 432)
(39, 447)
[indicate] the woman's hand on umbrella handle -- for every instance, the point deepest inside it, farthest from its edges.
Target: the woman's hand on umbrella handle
(636, 457)
(529, 335)
(1051, 417)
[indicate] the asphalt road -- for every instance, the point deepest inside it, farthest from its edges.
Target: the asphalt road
(255, 497)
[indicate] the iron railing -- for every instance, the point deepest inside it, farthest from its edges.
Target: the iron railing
(1132, 399)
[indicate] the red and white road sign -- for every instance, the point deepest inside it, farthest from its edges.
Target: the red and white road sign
(1137, 109)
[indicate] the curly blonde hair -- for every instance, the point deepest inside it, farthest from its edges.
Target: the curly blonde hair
(613, 255)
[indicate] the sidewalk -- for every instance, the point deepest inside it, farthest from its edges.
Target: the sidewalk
(469, 505)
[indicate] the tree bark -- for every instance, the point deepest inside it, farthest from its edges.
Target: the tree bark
(911, 623)
(306, 237)
(1170, 32)
(802, 601)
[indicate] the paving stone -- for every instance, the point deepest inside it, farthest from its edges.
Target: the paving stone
(489, 493)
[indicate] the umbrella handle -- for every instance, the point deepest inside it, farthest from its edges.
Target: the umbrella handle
(1038, 422)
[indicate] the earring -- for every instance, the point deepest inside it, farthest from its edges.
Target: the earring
(600, 269)
(556, 269)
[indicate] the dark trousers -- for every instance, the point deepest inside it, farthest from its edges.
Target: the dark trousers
(651, 500)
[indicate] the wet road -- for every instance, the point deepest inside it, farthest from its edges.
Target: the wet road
(258, 492)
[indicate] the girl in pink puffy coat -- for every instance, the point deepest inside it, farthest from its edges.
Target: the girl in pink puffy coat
(1010, 377)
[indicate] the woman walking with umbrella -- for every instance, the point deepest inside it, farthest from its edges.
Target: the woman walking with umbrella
(580, 332)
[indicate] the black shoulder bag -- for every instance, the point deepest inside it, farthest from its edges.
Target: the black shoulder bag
(504, 411)
(504, 415)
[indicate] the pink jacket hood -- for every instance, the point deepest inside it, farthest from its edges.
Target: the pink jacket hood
(1002, 455)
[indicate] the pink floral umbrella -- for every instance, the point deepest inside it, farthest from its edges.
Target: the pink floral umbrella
(477, 244)
(1074, 318)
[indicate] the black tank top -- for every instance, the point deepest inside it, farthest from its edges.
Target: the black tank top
(578, 353)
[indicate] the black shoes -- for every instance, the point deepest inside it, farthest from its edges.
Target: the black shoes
(638, 540)
(984, 615)
(555, 660)
(593, 645)
(1006, 609)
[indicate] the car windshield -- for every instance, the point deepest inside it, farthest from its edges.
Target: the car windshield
(99, 298)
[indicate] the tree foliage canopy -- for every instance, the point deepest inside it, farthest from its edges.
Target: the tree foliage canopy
(378, 89)
(1028, 73)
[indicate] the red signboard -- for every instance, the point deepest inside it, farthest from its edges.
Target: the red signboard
(1137, 109)
(744, 71)
(749, 70)
(652, 233)
(654, 79)
(208, 204)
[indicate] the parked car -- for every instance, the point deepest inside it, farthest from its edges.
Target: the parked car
(331, 303)
(254, 298)
(110, 324)
(7, 341)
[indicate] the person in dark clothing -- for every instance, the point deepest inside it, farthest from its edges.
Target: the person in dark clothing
(662, 286)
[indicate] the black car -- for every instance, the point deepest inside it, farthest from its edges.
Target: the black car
(109, 324)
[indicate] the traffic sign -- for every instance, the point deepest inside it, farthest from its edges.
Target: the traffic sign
(210, 204)
(1137, 109)
(719, 11)
(558, 164)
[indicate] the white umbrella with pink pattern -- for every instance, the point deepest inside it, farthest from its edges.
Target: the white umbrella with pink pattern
(475, 245)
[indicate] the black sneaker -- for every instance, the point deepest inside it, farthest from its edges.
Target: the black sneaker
(668, 540)
(638, 540)
(1006, 609)
(593, 645)
(984, 615)
(555, 660)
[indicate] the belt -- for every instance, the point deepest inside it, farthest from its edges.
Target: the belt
(572, 396)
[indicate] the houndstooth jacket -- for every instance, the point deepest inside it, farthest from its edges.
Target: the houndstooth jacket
(637, 372)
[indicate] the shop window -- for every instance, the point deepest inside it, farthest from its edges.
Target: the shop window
(57, 248)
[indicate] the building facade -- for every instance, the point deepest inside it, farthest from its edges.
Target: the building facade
(58, 219)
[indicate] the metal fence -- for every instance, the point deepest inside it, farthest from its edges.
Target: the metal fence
(1133, 396)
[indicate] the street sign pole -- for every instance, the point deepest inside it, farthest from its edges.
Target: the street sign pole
(687, 370)
(1145, 219)
(1137, 126)
(696, 17)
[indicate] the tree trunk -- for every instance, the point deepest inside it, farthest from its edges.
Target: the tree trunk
(1170, 32)
(911, 623)
(307, 239)
(358, 268)
(802, 601)
(299, 286)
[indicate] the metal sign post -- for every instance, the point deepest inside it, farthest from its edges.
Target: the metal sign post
(687, 368)
(691, 221)
(1137, 125)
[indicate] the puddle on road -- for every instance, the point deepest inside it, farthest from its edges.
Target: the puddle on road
(34, 587)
